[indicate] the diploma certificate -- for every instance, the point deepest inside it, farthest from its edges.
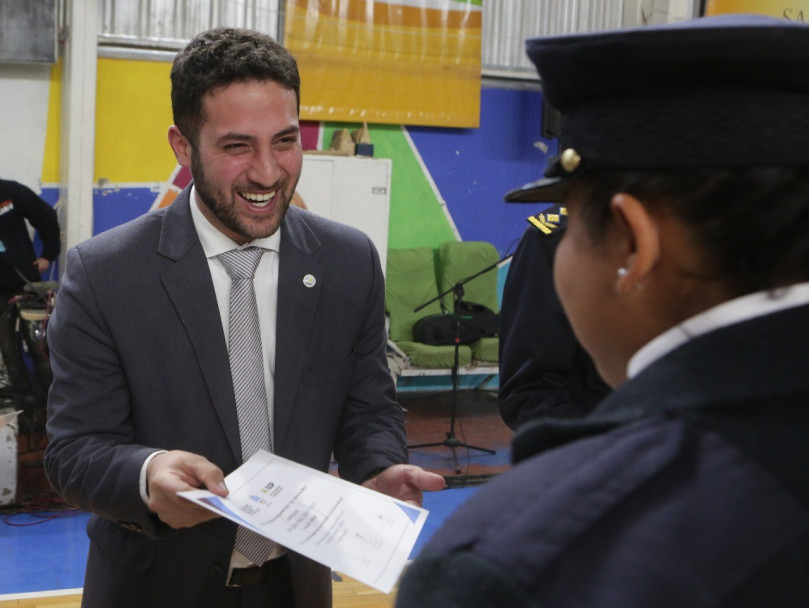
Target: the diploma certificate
(359, 532)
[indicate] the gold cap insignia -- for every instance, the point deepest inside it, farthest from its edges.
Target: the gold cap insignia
(569, 160)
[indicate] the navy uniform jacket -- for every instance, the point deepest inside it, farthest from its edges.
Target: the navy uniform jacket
(544, 371)
(687, 486)
(140, 363)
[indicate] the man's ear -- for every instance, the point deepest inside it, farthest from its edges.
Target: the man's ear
(642, 238)
(180, 145)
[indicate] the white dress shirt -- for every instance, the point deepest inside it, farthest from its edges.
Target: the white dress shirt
(265, 282)
(266, 287)
(733, 311)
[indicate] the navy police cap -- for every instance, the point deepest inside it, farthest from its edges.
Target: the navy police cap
(716, 92)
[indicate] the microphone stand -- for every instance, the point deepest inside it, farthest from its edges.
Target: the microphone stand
(450, 439)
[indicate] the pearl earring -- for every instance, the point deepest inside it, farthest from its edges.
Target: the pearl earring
(622, 272)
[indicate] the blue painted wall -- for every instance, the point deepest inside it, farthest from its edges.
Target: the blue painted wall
(474, 168)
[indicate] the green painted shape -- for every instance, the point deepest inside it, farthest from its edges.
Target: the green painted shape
(416, 216)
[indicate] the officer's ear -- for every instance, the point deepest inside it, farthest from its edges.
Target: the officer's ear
(641, 238)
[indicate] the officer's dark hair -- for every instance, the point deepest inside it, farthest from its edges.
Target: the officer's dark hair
(220, 57)
(752, 223)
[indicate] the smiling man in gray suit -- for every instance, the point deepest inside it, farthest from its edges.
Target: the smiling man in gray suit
(142, 404)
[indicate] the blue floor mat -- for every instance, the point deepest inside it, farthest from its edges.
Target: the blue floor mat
(46, 551)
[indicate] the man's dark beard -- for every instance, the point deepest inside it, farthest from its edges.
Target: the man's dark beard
(227, 214)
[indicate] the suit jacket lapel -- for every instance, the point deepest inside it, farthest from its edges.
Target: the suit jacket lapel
(300, 277)
(188, 284)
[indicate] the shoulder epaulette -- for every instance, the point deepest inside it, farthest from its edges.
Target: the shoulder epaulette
(549, 220)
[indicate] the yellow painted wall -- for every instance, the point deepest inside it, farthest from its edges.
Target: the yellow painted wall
(133, 114)
(50, 162)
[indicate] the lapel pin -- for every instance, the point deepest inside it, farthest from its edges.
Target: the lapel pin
(309, 280)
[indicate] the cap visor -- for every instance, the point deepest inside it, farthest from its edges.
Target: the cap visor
(546, 190)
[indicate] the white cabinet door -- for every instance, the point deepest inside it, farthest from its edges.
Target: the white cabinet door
(350, 190)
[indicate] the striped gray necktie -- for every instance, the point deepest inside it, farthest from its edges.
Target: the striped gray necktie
(247, 371)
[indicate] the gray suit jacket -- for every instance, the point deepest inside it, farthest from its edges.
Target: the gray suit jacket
(140, 363)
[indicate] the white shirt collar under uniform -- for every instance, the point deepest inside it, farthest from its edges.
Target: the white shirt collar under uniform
(733, 311)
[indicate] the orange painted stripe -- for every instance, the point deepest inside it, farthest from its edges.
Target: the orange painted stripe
(168, 199)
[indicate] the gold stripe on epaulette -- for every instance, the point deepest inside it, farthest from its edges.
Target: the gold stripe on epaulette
(546, 223)
(539, 222)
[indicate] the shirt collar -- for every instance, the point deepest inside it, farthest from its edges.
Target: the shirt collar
(214, 242)
(733, 311)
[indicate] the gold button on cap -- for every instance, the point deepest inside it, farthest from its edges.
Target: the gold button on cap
(570, 160)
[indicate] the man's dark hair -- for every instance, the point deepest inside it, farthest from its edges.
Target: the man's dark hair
(220, 57)
(753, 223)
